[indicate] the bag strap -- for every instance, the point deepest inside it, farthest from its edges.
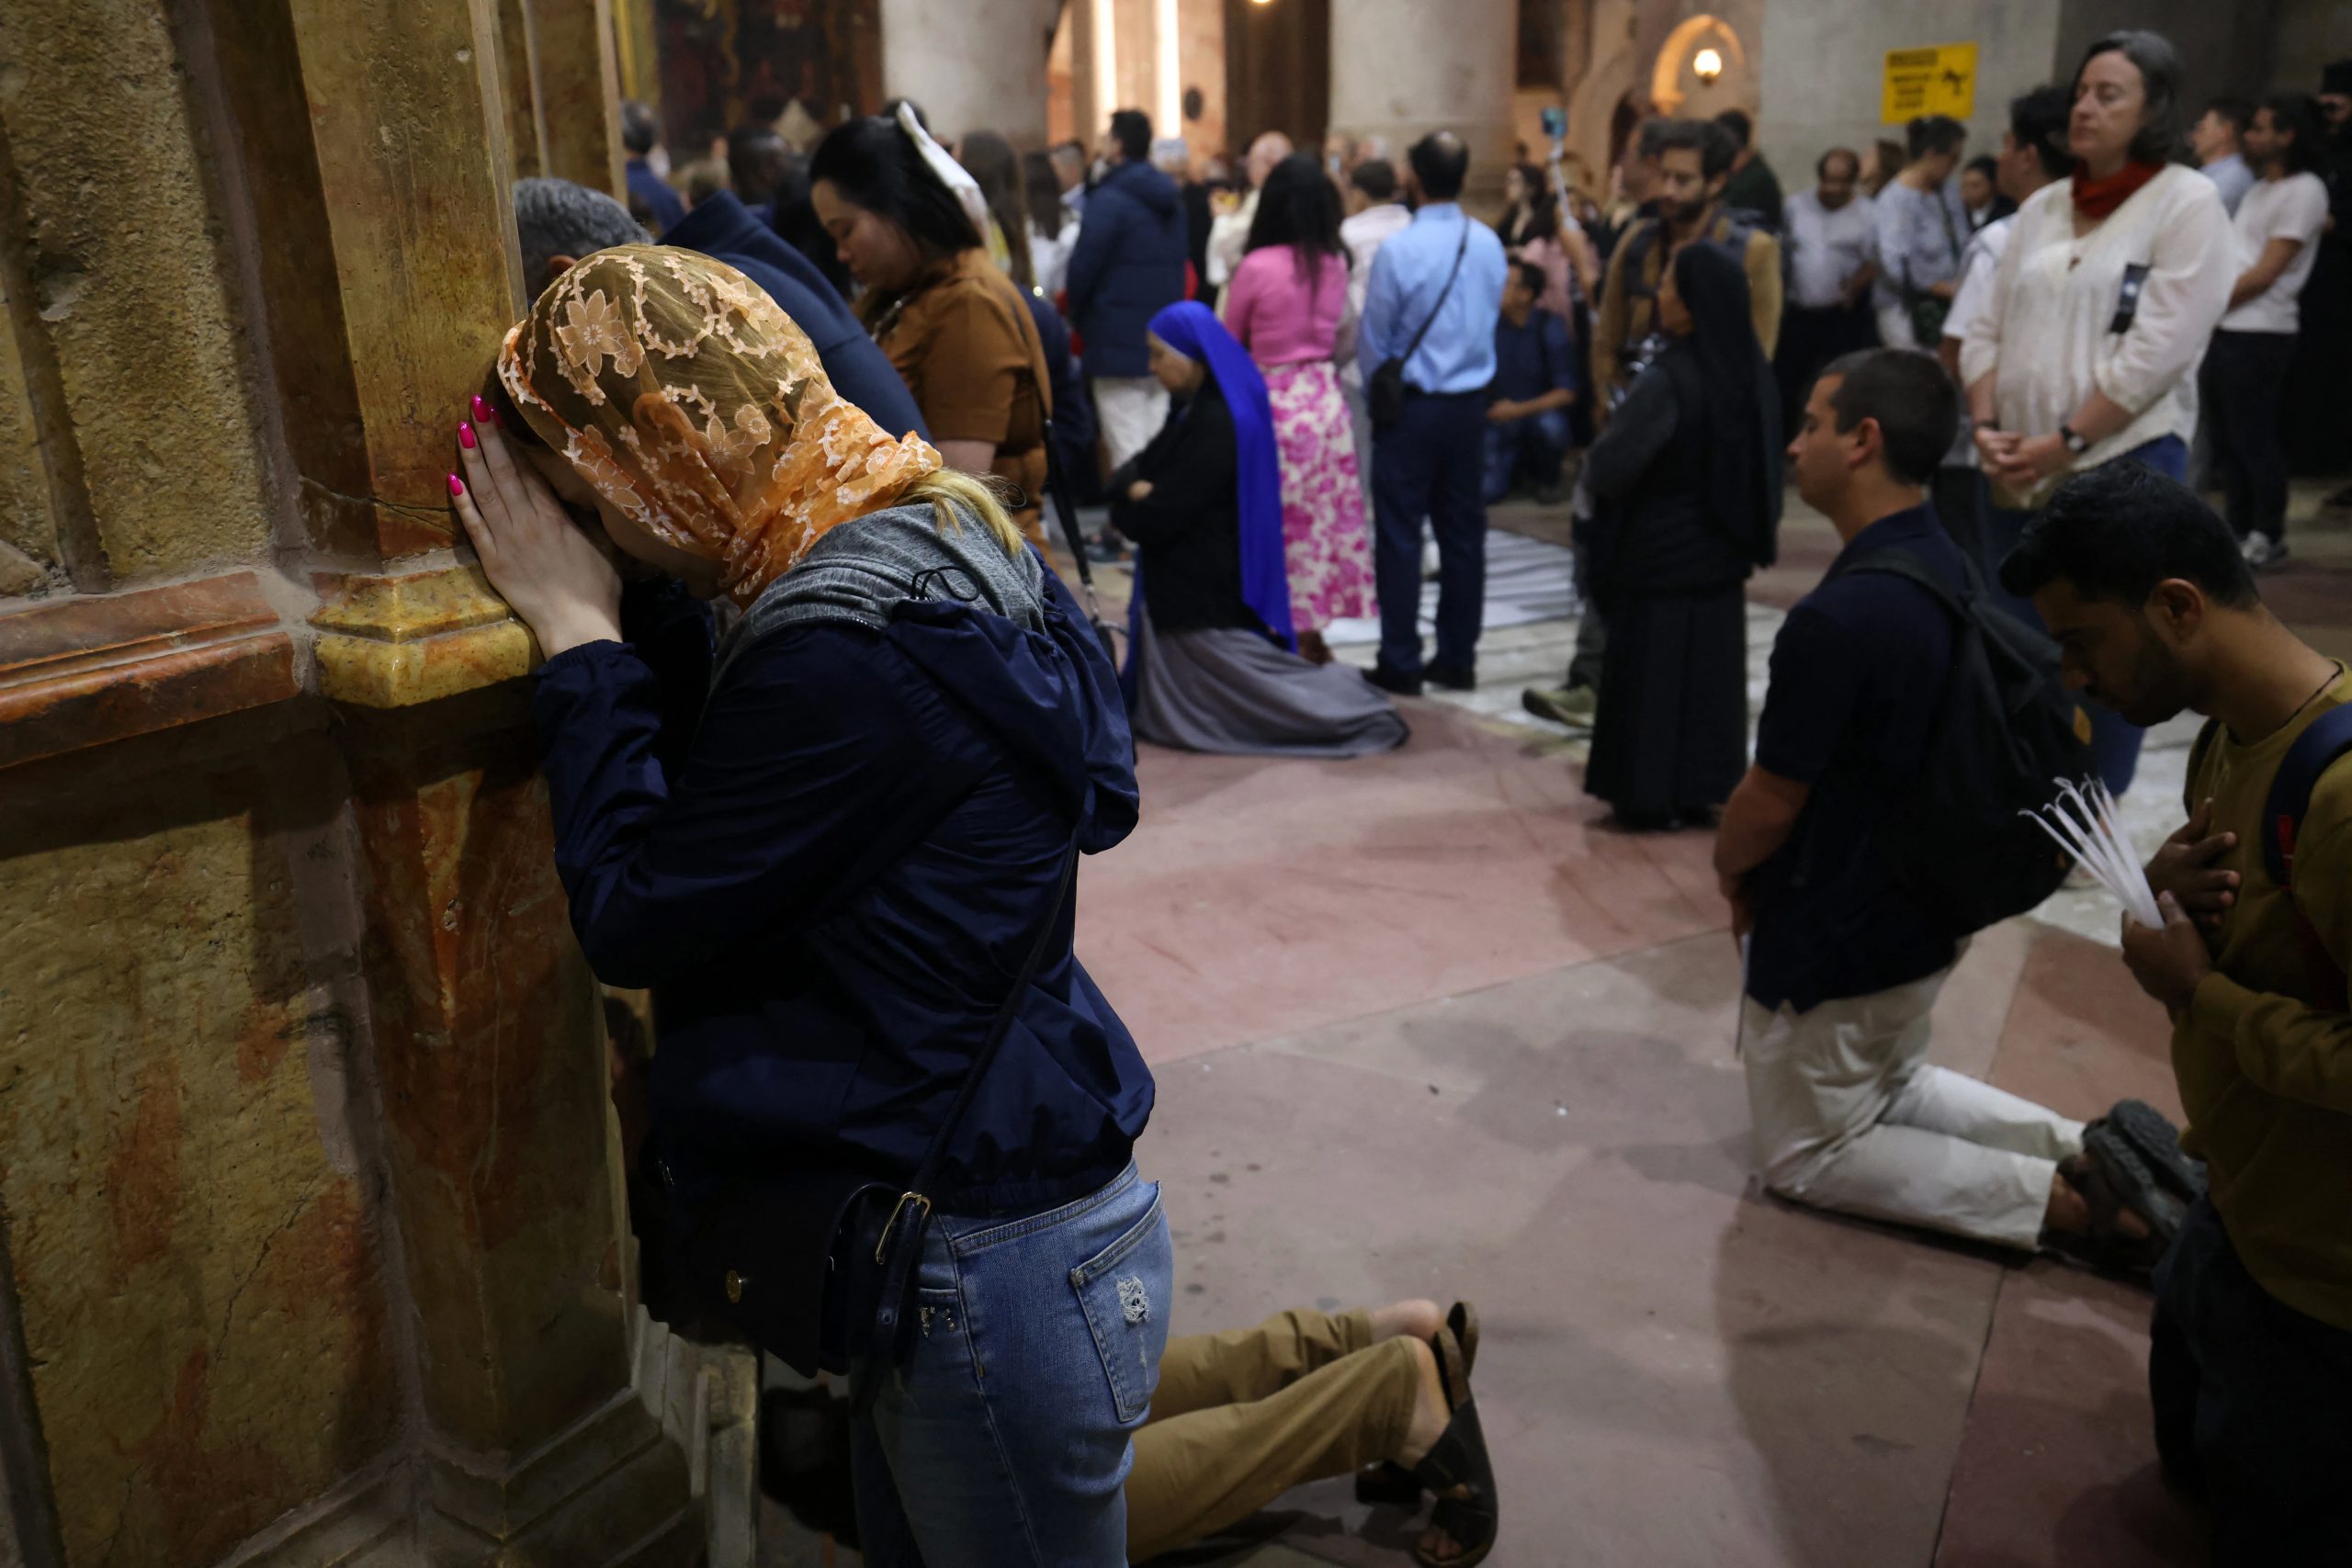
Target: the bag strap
(1460, 249)
(2314, 751)
(1905, 564)
(1058, 487)
(927, 1174)
(2327, 737)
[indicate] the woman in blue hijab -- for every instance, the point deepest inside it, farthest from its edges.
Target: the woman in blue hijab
(1213, 663)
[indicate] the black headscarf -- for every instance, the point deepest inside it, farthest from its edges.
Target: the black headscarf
(1721, 367)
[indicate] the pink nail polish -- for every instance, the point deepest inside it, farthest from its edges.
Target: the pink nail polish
(465, 435)
(481, 410)
(496, 422)
(457, 485)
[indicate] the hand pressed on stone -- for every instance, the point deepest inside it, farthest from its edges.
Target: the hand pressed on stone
(544, 565)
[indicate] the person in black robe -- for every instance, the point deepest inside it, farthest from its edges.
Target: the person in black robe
(1686, 482)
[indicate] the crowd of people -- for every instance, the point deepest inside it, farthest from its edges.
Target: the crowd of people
(835, 392)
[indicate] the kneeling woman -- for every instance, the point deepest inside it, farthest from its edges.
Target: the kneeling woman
(1688, 482)
(833, 866)
(1214, 665)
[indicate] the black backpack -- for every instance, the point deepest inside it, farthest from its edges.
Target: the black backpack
(2007, 731)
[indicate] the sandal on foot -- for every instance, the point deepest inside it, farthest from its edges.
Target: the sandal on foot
(1458, 1462)
(2150, 1134)
(1389, 1483)
(2106, 1248)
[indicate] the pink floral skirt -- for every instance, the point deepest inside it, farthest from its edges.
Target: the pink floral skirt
(1324, 542)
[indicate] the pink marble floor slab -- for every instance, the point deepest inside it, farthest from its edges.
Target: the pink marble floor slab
(1261, 896)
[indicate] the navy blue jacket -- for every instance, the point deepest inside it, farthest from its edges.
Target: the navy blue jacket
(1128, 268)
(655, 192)
(831, 882)
(725, 229)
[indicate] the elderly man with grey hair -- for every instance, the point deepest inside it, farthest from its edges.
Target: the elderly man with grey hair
(558, 223)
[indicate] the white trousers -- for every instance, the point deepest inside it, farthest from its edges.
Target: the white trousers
(1849, 1115)
(1130, 409)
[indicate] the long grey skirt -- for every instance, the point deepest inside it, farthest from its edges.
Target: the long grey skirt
(1235, 691)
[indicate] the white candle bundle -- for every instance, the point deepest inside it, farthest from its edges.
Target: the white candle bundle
(2090, 833)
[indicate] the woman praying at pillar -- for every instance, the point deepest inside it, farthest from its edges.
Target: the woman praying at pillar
(2104, 301)
(1288, 306)
(830, 845)
(1688, 479)
(1211, 665)
(906, 220)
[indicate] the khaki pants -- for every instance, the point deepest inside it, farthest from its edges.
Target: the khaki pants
(1850, 1116)
(1240, 1418)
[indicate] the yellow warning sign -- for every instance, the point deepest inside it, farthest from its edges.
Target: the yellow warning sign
(1942, 79)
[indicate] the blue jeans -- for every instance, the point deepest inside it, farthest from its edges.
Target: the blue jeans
(1540, 441)
(1005, 1437)
(1430, 463)
(2115, 740)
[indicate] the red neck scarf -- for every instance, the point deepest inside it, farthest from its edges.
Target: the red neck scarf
(2095, 199)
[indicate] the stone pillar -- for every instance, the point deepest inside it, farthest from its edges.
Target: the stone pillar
(974, 65)
(1094, 67)
(578, 91)
(1402, 68)
(314, 1249)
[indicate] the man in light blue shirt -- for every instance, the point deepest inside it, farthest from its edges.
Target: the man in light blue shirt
(1430, 462)
(2218, 139)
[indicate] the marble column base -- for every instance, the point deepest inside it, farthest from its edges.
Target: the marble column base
(666, 1475)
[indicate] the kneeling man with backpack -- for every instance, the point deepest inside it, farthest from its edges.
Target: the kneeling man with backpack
(1908, 723)
(2250, 1364)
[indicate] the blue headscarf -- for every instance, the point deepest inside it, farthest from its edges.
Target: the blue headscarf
(1193, 329)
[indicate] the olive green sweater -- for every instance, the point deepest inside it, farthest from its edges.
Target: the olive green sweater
(2265, 1066)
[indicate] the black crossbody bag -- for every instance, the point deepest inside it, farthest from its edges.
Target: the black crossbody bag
(1383, 392)
(819, 1267)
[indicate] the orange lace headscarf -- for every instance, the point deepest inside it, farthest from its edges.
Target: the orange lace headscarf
(695, 406)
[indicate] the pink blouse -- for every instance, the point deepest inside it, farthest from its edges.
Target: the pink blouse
(1280, 317)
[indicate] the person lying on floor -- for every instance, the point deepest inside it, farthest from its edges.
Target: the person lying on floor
(1212, 665)
(1843, 961)
(1241, 1418)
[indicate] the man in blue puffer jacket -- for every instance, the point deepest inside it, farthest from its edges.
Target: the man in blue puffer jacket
(1129, 266)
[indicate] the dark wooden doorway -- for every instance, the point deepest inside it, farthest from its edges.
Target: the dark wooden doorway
(1277, 71)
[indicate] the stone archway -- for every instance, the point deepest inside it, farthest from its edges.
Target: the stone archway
(1675, 85)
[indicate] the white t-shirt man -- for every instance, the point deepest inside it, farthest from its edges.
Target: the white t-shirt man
(1827, 246)
(2291, 209)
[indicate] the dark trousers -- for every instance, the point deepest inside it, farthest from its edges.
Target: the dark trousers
(2115, 740)
(2253, 1406)
(1430, 463)
(2244, 389)
(1810, 339)
(1537, 445)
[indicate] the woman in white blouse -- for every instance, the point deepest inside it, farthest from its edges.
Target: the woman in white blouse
(2107, 293)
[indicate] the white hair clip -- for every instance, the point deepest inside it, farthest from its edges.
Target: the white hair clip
(946, 170)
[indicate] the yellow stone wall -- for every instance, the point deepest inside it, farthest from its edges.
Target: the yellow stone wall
(122, 263)
(195, 1244)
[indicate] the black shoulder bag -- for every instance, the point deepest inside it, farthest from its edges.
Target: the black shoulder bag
(817, 1267)
(1383, 392)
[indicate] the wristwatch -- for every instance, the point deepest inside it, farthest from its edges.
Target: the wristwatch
(2076, 442)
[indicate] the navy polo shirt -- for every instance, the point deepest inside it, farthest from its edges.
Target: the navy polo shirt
(1858, 674)
(1534, 359)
